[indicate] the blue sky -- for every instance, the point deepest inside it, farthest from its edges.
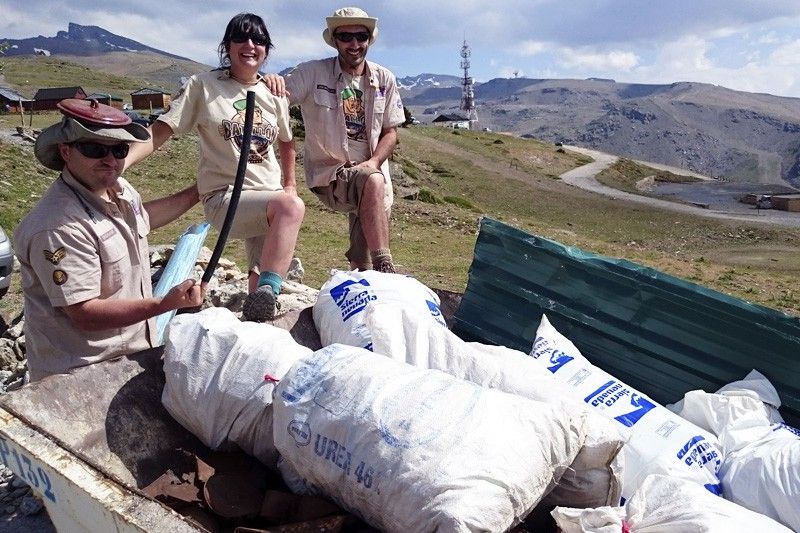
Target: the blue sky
(741, 44)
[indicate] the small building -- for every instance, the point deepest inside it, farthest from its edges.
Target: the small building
(150, 99)
(451, 121)
(10, 101)
(786, 202)
(106, 98)
(46, 99)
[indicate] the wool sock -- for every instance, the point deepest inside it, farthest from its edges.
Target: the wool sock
(272, 279)
(379, 256)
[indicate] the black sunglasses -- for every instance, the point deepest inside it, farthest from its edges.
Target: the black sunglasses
(99, 151)
(257, 38)
(346, 36)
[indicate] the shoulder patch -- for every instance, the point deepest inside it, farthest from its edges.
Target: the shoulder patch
(60, 277)
(56, 256)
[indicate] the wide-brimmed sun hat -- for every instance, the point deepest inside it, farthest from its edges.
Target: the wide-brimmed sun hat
(85, 120)
(350, 16)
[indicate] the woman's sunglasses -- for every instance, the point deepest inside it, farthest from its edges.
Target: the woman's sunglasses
(257, 38)
(346, 36)
(99, 151)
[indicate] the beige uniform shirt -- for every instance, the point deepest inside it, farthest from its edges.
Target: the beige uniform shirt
(74, 246)
(215, 104)
(317, 87)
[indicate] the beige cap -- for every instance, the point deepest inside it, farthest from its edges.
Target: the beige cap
(350, 16)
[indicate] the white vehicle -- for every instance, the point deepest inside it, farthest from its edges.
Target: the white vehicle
(6, 262)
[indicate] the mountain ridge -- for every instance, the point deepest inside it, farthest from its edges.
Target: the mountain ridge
(80, 40)
(710, 129)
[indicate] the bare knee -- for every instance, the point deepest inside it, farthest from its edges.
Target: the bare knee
(374, 188)
(286, 207)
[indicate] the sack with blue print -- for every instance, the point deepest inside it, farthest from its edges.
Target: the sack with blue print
(342, 302)
(411, 449)
(761, 470)
(658, 440)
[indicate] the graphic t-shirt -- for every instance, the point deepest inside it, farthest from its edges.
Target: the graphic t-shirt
(355, 118)
(215, 104)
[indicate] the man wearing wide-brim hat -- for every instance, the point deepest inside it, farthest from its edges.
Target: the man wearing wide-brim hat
(351, 108)
(83, 247)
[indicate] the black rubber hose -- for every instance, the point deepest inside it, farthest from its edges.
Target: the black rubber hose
(237, 187)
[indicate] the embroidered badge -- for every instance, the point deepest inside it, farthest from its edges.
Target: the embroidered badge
(59, 277)
(107, 235)
(56, 256)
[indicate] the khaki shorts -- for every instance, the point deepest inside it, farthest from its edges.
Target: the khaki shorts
(250, 222)
(344, 195)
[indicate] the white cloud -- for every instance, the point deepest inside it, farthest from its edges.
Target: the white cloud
(531, 48)
(597, 62)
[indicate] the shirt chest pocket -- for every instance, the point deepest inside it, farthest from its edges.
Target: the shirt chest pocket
(325, 101)
(115, 265)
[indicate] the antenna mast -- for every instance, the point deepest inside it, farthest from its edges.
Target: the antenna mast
(467, 94)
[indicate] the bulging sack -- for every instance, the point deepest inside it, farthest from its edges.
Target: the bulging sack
(410, 449)
(761, 470)
(220, 375)
(593, 479)
(658, 441)
(667, 505)
(343, 299)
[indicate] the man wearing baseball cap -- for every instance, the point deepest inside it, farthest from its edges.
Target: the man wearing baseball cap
(351, 109)
(83, 247)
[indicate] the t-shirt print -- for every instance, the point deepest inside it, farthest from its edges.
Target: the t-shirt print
(264, 132)
(353, 105)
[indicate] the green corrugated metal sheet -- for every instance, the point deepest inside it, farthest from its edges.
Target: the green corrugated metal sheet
(660, 334)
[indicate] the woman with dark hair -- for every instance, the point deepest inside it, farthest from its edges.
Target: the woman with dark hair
(269, 212)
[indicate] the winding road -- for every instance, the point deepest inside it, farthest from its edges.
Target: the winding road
(585, 178)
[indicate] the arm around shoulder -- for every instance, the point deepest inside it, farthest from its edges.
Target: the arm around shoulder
(159, 133)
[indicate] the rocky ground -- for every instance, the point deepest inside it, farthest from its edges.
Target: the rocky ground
(21, 511)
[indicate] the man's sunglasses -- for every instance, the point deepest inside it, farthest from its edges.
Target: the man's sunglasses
(257, 38)
(99, 151)
(346, 36)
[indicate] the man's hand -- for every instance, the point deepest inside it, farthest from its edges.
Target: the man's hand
(276, 84)
(290, 190)
(186, 294)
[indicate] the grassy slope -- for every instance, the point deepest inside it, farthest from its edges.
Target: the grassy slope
(470, 174)
(27, 74)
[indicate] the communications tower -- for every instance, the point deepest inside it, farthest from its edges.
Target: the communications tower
(467, 95)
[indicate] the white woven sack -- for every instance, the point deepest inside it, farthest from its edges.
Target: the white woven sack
(593, 479)
(343, 299)
(220, 376)
(761, 470)
(410, 449)
(667, 505)
(658, 441)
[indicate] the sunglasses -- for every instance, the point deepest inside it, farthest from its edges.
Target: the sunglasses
(99, 151)
(346, 36)
(257, 38)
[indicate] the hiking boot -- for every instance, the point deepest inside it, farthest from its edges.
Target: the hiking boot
(261, 305)
(386, 266)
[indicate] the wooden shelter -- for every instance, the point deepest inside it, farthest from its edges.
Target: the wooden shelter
(106, 98)
(11, 100)
(46, 99)
(151, 99)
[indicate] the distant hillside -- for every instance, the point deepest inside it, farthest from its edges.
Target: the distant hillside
(104, 51)
(710, 129)
(79, 41)
(414, 85)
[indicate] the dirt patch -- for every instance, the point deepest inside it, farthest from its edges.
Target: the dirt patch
(783, 259)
